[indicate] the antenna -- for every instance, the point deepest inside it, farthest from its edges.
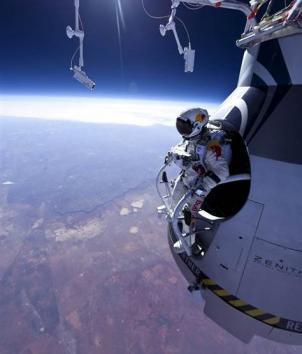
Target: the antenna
(79, 74)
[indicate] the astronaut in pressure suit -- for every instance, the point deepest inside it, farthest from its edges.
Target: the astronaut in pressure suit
(203, 156)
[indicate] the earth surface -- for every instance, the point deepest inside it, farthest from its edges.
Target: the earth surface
(84, 260)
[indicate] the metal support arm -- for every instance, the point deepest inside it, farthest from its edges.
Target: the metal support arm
(187, 52)
(79, 74)
(227, 4)
(77, 32)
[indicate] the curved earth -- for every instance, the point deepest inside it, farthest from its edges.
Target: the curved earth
(84, 261)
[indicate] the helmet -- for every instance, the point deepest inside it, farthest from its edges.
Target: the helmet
(190, 123)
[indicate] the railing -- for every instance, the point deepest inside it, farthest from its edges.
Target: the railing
(174, 215)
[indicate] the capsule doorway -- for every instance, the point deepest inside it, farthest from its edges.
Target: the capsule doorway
(228, 198)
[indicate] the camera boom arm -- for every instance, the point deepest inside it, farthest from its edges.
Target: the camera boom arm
(188, 52)
(78, 32)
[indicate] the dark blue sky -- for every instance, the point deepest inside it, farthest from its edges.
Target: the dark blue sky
(35, 52)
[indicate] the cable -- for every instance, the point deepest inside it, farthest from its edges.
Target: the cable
(81, 22)
(75, 53)
(192, 6)
(268, 10)
(72, 58)
(185, 28)
(162, 17)
(151, 16)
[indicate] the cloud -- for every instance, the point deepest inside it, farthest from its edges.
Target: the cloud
(96, 110)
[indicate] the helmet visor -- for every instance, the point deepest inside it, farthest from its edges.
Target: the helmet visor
(184, 127)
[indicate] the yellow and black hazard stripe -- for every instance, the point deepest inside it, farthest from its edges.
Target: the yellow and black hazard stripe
(238, 304)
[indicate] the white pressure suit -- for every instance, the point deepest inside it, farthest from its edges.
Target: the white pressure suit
(210, 156)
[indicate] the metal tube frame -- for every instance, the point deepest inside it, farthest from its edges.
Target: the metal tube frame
(173, 215)
(227, 4)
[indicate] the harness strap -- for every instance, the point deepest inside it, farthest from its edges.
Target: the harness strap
(213, 176)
